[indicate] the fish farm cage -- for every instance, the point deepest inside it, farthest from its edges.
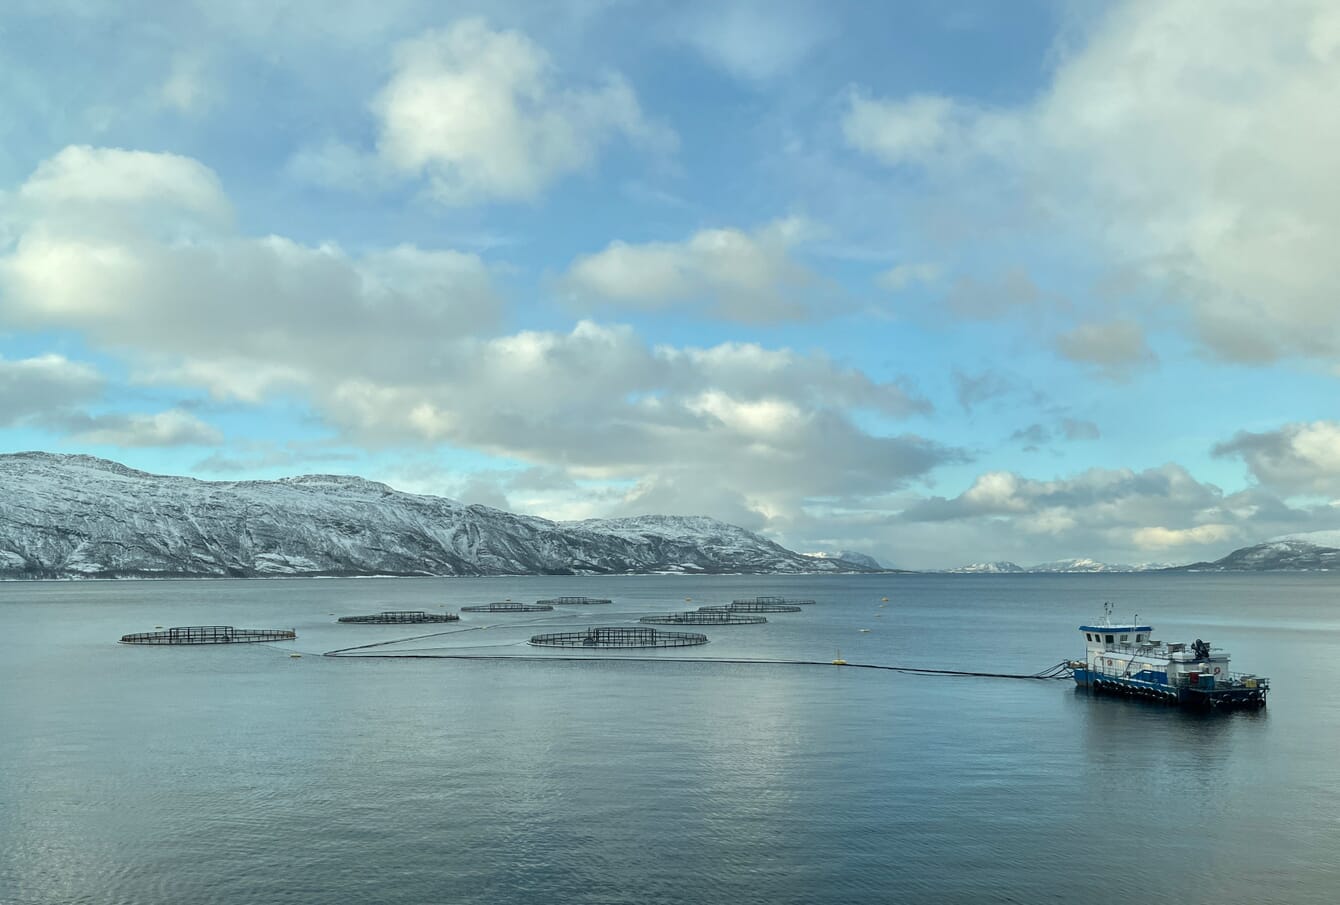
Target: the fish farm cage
(573, 601)
(751, 606)
(402, 617)
(615, 637)
(508, 606)
(783, 601)
(209, 634)
(702, 618)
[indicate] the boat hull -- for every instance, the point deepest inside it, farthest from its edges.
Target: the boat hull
(1212, 698)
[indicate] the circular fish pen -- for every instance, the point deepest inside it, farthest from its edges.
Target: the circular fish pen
(573, 601)
(210, 634)
(702, 618)
(782, 601)
(401, 617)
(508, 606)
(618, 637)
(751, 606)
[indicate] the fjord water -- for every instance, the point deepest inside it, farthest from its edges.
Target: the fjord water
(240, 774)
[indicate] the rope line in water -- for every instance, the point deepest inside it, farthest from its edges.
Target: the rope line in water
(1059, 671)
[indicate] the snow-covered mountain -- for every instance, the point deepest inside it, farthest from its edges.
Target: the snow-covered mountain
(79, 516)
(1059, 565)
(851, 557)
(1282, 554)
(992, 568)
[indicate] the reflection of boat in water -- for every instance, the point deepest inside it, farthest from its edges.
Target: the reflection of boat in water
(1124, 659)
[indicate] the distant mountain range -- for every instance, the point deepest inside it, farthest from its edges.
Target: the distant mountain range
(1060, 565)
(1318, 550)
(69, 516)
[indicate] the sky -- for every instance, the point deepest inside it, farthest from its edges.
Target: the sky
(938, 282)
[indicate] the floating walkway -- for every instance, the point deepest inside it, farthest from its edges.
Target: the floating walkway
(573, 601)
(774, 601)
(704, 618)
(751, 606)
(613, 637)
(402, 617)
(508, 606)
(210, 634)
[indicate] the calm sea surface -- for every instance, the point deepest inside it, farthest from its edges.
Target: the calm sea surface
(240, 774)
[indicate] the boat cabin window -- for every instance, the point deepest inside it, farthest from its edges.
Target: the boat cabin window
(1109, 639)
(1142, 637)
(1125, 638)
(1088, 637)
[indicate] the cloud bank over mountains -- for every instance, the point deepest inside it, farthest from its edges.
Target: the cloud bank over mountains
(735, 264)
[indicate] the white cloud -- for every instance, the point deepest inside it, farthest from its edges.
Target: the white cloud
(919, 130)
(170, 428)
(903, 276)
(236, 314)
(1116, 350)
(1160, 538)
(736, 275)
(481, 114)
(81, 179)
(751, 39)
(186, 89)
(1158, 514)
(1209, 162)
(400, 347)
(1296, 458)
(33, 386)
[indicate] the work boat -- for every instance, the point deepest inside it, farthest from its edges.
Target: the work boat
(1124, 659)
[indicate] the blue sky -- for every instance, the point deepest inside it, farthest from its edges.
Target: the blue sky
(938, 282)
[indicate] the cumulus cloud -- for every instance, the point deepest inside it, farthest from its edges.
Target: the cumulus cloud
(1115, 350)
(1160, 514)
(170, 428)
(480, 113)
(917, 130)
(236, 314)
(401, 346)
(607, 406)
(1209, 162)
(1296, 458)
(736, 275)
(1160, 538)
(33, 386)
(82, 181)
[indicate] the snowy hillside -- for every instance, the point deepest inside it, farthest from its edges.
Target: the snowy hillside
(850, 557)
(1278, 555)
(78, 516)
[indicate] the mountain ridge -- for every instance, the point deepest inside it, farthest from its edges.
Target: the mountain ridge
(78, 516)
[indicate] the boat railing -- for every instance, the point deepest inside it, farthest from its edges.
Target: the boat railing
(1153, 649)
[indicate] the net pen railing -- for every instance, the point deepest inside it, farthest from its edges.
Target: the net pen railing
(617, 637)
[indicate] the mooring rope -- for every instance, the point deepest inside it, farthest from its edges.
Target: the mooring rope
(1059, 671)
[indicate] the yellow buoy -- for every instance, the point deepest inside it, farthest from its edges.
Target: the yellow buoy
(838, 661)
(885, 599)
(158, 626)
(295, 656)
(687, 599)
(864, 630)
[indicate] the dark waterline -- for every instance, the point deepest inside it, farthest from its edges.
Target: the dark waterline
(239, 774)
